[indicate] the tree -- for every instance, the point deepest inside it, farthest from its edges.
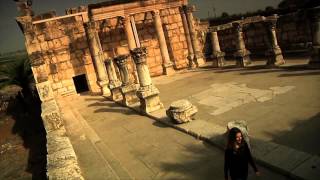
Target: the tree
(18, 72)
(224, 15)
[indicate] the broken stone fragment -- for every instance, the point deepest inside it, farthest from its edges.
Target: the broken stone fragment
(181, 111)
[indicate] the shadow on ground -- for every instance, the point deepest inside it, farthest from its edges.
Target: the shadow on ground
(305, 130)
(29, 126)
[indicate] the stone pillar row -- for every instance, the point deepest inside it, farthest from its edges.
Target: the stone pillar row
(127, 92)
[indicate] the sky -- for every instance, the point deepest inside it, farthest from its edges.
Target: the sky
(11, 37)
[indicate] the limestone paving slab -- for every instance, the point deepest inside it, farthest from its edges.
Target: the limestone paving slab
(309, 170)
(285, 159)
(278, 157)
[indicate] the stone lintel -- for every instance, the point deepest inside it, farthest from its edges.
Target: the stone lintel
(100, 13)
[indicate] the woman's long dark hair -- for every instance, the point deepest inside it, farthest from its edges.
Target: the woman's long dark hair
(232, 138)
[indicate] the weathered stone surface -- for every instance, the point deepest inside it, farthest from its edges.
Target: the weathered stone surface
(51, 115)
(181, 111)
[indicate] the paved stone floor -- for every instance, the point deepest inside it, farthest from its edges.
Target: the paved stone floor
(144, 148)
(280, 105)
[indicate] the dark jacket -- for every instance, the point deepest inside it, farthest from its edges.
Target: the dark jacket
(236, 162)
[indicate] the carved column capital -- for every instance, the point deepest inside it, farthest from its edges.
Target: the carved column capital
(121, 60)
(155, 13)
(139, 55)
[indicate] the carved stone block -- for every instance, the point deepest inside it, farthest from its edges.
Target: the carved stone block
(44, 91)
(51, 115)
(149, 99)
(181, 111)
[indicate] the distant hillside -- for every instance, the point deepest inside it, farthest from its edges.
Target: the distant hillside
(11, 56)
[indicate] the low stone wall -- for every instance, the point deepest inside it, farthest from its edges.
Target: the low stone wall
(61, 158)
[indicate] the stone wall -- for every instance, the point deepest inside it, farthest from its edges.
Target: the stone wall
(294, 31)
(59, 51)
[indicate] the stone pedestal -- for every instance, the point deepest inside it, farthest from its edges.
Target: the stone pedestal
(275, 57)
(198, 57)
(217, 54)
(114, 83)
(128, 89)
(218, 59)
(242, 58)
(98, 57)
(147, 93)
(314, 16)
(274, 53)
(166, 63)
(242, 55)
(181, 111)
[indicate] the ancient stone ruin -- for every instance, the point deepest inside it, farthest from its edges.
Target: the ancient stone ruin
(71, 52)
(113, 49)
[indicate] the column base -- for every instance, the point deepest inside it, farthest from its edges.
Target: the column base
(116, 94)
(198, 59)
(275, 57)
(190, 61)
(129, 94)
(115, 87)
(218, 59)
(149, 99)
(242, 58)
(104, 88)
(168, 69)
(315, 56)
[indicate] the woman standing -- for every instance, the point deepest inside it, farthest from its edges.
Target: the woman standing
(237, 157)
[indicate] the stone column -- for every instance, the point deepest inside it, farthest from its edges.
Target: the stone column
(98, 57)
(241, 54)
(128, 89)
(188, 38)
(217, 54)
(274, 53)
(114, 83)
(131, 40)
(147, 93)
(198, 57)
(314, 15)
(166, 63)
